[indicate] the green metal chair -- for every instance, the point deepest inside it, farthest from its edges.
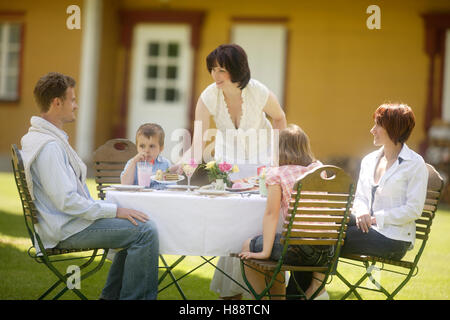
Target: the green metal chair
(318, 216)
(409, 268)
(53, 258)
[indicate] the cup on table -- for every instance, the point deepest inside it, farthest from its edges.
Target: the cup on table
(262, 187)
(259, 169)
(144, 173)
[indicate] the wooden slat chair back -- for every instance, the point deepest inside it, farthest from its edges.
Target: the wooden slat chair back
(423, 228)
(37, 251)
(109, 161)
(318, 215)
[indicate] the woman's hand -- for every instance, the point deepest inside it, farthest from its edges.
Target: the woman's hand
(176, 168)
(253, 255)
(364, 222)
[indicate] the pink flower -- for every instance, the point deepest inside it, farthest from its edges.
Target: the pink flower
(225, 167)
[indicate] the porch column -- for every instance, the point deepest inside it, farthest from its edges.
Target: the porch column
(88, 81)
(446, 84)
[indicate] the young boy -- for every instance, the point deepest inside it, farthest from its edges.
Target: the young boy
(149, 143)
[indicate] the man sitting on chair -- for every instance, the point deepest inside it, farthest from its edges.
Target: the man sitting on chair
(68, 217)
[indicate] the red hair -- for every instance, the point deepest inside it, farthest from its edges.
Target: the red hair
(397, 119)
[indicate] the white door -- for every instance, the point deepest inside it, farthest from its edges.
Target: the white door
(265, 45)
(160, 79)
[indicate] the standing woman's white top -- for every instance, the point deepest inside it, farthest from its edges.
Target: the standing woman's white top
(234, 144)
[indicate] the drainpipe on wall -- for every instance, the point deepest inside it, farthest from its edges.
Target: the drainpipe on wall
(88, 81)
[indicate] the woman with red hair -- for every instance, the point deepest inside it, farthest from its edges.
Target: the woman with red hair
(391, 189)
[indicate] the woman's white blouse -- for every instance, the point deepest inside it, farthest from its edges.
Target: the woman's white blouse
(400, 196)
(254, 99)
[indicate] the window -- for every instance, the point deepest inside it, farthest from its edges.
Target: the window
(10, 52)
(162, 63)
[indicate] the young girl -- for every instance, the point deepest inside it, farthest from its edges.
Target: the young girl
(295, 159)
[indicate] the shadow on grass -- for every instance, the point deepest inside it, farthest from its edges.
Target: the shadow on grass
(22, 278)
(12, 224)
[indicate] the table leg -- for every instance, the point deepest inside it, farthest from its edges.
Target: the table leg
(220, 270)
(171, 275)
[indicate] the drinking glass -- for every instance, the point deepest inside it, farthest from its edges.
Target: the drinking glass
(188, 171)
(144, 173)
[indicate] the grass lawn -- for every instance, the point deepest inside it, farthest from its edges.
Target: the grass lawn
(22, 278)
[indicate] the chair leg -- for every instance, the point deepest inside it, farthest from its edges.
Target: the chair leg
(350, 286)
(63, 278)
(322, 285)
(401, 285)
(375, 282)
(269, 284)
(301, 294)
(49, 290)
(368, 275)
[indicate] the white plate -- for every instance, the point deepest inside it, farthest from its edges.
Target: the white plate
(127, 187)
(245, 187)
(254, 180)
(180, 177)
(211, 192)
(180, 187)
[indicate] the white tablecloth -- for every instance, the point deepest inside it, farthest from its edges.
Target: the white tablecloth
(194, 224)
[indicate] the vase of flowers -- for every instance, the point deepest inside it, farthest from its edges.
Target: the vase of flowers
(220, 171)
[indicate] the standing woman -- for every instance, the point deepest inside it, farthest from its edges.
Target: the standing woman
(238, 105)
(391, 189)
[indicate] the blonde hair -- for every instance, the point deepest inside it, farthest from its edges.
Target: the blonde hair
(294, 147)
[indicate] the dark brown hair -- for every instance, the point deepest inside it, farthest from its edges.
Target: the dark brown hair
(397, 119)
(50, 86)
(294, 147)
(234, 59)
(151, 130)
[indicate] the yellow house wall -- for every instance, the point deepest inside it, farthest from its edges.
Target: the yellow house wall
(48, 46)
(338, 71)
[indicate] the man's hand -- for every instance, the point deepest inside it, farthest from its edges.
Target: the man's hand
(130, 214)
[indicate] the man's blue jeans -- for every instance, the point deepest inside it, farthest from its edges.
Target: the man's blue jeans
(134, 271)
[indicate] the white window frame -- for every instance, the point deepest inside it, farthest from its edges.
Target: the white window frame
(6, 68)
